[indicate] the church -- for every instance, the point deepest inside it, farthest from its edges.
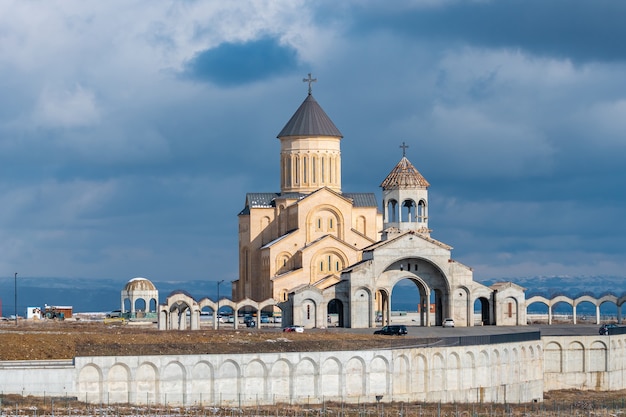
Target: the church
(318, 250)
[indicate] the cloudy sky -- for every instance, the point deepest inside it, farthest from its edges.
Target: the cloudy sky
(130, 131)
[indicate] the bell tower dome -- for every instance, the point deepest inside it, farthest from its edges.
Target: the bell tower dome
(405, 199)
(310, 153)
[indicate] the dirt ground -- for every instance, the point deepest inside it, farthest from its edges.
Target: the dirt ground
(49, 339)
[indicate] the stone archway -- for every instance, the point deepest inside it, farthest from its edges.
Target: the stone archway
(433, 286)
(437, 298)
(382, 307)
(408, 300)
(482, 306)
(335, 314)
(180, 316)
(179, 312)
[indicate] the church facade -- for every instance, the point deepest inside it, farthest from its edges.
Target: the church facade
(318, 250)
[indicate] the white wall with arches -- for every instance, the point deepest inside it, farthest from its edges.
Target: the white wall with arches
(518, 372)
(452, 374)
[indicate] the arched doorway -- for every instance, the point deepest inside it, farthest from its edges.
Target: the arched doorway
(381, 299)
(412, 296)
(180, 316)
(436, 298)
(433, 289)
(334, 313)
(140, 307)
(407, 303)
(481, 312)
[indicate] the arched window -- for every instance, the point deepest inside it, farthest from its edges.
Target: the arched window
(283, 263)
(408, 211)
(330, 263)
(297, 170)
(421, 211)
(392, 214)
(360, 224)
(288, 173)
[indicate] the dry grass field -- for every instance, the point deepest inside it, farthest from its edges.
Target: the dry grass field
(49, 339)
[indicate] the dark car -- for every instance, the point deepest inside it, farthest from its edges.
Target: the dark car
(393, 330)
(604, 329)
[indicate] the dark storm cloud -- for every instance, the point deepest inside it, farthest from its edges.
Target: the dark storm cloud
(232, 64)
(576, 29)
(137, 160)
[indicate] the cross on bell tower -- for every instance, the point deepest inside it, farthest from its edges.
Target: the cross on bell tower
(404, 147)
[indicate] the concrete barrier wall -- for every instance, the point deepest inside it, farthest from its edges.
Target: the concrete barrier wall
(585, 362)
(50, 377)
(499, 373)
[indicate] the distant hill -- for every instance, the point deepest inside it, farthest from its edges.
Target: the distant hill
(89, 295)
(405, 294)
(571, 286)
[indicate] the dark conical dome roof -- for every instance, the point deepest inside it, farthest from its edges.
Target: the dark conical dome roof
(404, 174)
(310, 120)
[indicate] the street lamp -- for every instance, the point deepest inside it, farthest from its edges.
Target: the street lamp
(217, 313)
(15, 293)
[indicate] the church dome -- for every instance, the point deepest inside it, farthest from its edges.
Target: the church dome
(139, 284)
(404, 174)
(310, 120)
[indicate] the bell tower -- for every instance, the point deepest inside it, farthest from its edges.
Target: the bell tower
(405, 199)
(310, 153)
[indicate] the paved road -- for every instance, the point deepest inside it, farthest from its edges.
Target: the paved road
(552, 330)
(440, 332)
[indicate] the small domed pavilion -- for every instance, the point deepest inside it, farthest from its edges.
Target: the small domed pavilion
(140, 297)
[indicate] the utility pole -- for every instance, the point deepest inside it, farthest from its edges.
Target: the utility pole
(15, 293)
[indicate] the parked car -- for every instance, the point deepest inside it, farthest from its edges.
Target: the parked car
(265, 319)
(114, 314)
(393, 330)
(447, 322)
(604, 329)
(294, 329)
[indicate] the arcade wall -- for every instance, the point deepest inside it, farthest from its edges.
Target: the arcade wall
(510, 372)
(584, 362)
